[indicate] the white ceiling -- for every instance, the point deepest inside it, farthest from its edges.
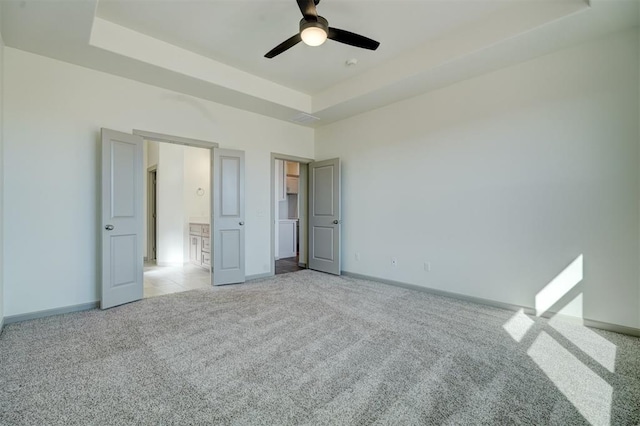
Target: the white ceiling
(214, 49)
(239, 32)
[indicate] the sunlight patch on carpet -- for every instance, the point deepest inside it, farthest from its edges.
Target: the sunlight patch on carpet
(518, 325)
(589, 393)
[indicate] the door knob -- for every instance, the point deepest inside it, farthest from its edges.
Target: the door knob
(109, 227)
(241, 223)
(335, 222)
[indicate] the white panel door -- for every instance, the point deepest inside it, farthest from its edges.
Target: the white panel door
(228, 216)
(121, 227)
(324, 216)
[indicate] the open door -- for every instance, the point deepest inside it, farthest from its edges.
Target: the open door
(228, 216)
(324, 216)
(122, 259)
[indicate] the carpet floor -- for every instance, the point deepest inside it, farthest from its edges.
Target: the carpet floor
(309, 348)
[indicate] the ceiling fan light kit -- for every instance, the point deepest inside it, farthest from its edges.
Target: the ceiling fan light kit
(315, 30)
(314, 33)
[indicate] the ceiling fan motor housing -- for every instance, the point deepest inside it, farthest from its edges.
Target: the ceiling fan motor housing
(320, 23)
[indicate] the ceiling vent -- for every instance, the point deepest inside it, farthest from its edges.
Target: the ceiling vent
(304, 118)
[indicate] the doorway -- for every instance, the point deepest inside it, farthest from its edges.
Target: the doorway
(178, 214)
(123, 213)
(289, 210)
(288, 222)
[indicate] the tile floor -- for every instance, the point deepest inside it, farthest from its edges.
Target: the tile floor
(159, 280)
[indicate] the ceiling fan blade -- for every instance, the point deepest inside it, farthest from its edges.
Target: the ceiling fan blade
(285, 45)
(308, 9)
(352, 39)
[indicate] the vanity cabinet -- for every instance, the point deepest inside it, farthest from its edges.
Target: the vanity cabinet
(200, 245)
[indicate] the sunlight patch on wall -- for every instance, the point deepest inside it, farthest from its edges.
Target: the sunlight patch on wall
(559, 286)
(573, 308)
(589, 393)
(591, 343)
(518, 325)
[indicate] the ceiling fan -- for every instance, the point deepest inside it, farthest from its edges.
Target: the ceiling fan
(315, 30)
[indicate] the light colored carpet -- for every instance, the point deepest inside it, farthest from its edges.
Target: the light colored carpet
(309, 348)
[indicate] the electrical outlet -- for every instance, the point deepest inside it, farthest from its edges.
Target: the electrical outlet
(357, 256)
(427, 266)
(394, 262)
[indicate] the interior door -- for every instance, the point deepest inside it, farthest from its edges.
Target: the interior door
(228, 216)
(324, 216)
(122, 259)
